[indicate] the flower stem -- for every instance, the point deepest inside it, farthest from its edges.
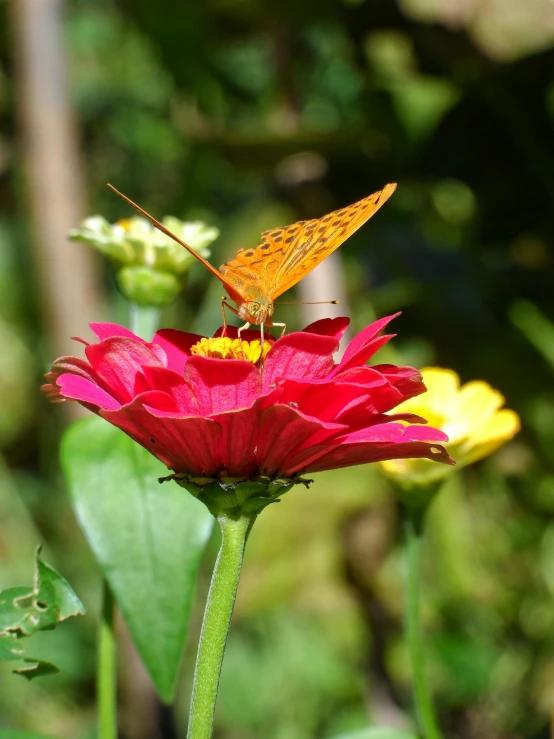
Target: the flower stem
(106, 673)
(215, 627)
(144, 320)
(414, 522)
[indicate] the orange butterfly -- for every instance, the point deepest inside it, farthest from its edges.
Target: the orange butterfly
(256, 277)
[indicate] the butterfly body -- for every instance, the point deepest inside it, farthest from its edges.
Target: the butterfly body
(255, 278)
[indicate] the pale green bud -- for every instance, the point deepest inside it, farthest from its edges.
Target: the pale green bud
(149, 265)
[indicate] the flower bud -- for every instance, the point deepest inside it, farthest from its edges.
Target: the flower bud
(150, 267)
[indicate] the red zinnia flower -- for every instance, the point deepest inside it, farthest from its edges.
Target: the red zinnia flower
(291, 412)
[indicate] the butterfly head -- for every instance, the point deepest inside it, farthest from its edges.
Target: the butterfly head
(256, 311)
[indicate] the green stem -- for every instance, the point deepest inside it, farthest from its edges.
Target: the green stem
(106, 682)
(144, 320)
(414, 522)
(215, 627)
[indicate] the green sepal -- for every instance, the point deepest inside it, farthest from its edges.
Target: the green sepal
(236, 497)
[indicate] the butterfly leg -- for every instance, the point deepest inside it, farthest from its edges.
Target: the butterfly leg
(239, 332)
(229, 307)
(281, 325)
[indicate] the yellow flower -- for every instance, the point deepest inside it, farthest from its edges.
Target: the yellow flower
(472, 416)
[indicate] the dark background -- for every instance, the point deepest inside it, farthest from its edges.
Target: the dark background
(250, 114)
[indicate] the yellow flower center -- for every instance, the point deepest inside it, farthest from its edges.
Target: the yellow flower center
(125, 224)
(223, 347)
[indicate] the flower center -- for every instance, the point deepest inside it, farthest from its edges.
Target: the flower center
(125, 224)
(223, 347)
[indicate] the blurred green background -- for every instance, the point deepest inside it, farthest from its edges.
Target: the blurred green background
(250, 114)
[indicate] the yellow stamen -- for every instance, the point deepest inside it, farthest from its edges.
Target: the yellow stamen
(223, 347)
(125, 224)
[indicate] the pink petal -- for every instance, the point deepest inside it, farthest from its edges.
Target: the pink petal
(282, 430)
(117, 363)
(406, 379)
(347, 455)
(108, 330)
(299, 355)
(222, 385)
(334, 327)
(75, 387)
(239, 430)
(391, 432)
(187, 445)
(170, 382)
(364, 345)
(176, 345)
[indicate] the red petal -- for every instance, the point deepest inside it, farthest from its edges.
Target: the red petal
(172, 383)
(176, 345)
(118, 361)
(347, 455)
(221, 385)
(108, 330)
(75, 387)
(334, 327)
(300, 355)
(282, 430)
(391, 432)
(187, 445)
(364, 345)
(239, 431)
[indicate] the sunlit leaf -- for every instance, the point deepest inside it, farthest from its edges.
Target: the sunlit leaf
(148, 539)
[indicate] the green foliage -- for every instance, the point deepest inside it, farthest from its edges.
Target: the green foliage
(26, 611)
(250, 115)
(13, 734)
(148, 539)
(379, 732)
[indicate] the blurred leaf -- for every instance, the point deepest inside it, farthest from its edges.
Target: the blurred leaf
(379, 732)
(148, 539)
(535, 326)
(14, 734)
(36, 668)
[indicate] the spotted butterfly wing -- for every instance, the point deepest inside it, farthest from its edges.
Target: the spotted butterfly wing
(285, 255)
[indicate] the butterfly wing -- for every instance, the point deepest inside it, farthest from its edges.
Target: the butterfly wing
(285, 255)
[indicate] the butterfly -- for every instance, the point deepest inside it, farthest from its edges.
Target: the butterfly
(255, 278)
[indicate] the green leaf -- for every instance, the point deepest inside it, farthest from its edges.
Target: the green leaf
(379, 732)
(148, 539)
(25, 610)
(13, 734)
(36, 668)
(52, 585)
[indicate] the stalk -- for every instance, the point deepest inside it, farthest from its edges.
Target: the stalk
(414, 522)
(106, 681)
(215, 626)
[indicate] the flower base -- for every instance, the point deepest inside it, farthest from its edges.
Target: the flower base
(233, 496)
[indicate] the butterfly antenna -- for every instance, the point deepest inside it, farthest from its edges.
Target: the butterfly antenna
(317, 302)
(167, 232)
